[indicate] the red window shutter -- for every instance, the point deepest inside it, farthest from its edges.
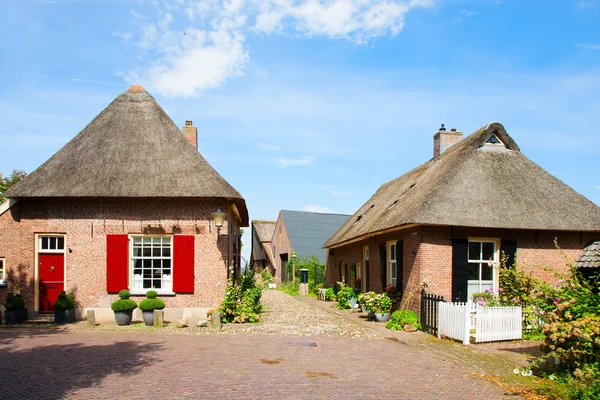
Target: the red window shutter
(117, 263)
(183, 264)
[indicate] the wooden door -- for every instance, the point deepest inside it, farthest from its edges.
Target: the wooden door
(51, 272)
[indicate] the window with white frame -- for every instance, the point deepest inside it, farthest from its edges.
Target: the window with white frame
(392, 264)
(151, 263)
(52, 244)
(480, 273)
(2, 270)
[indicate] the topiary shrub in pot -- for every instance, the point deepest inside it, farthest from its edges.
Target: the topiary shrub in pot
(64, 309)
(123, 308)
(15, 309)
(149, 304)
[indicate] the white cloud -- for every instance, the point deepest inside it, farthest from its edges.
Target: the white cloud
(341, 193)
(268, 147)
(317, 209)
(198, 45)
(598, 187)
(588, 46)
(295, 162)
(124, 36)
(463, 15)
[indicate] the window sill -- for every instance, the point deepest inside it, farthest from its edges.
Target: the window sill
(142, 292)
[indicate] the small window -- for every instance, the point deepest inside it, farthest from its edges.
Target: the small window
(480, 271)
(2, 271)
(493, 141)
(151, 263)
(392, 263)
(52, 244)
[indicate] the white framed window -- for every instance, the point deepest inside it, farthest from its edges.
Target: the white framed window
(482, 258)
(392, 264)
(2, 270)
(151, 264)
(365, 268)
(52, 244)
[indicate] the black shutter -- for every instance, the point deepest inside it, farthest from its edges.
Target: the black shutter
(460, 256)
(400, 267)
(508, 247)
(382, 265)
(367, 273)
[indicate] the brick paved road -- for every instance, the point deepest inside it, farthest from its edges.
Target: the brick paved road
(57, 364)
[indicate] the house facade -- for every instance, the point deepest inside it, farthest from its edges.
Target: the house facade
(446, 224)
(128, 203)
(302, 233)
(261, 257)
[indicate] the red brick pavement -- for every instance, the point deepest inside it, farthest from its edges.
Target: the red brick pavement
(68, 364)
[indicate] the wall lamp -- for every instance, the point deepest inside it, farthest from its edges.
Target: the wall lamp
(218, 217)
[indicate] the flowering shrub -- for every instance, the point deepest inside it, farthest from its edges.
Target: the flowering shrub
(242, 300)
(329, 294)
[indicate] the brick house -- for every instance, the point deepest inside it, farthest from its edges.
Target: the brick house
(261, 257)
(302, 233)
(128, 203)
(447, 222)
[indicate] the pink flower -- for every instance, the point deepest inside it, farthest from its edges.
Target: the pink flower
(558, 300)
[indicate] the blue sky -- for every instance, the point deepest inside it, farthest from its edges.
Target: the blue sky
(310, 104)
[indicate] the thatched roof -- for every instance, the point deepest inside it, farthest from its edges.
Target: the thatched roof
(264, 229)
(589, 257)
(474, 185)
(131, 149)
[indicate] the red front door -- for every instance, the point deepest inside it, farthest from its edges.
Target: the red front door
(52, 280)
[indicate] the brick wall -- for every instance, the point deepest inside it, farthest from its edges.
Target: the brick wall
(428, 255)
(85, 224)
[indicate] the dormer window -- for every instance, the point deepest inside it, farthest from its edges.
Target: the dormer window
(493, 140)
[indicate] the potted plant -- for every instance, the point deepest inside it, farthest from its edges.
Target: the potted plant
(368, 302)
(64, 309)
(382, 307)
(149, 304)
(123, 308)
(15, 309)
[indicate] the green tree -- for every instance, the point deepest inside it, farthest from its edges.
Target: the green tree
(7, 182)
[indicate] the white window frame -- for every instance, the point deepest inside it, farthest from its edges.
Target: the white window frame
(41, 249)
(2, 270)
(364, 268)
(137, 281)
(494, 261)
(392, 279)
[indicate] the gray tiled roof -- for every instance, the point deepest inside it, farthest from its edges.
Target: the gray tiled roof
(590, 257)
(309, 230)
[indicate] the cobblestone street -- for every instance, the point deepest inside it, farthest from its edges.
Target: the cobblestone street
(271, 360)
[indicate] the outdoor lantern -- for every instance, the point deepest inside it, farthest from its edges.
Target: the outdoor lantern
(218, 217)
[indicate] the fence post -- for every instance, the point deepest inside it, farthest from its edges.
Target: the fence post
(423, 325)
(467, 324)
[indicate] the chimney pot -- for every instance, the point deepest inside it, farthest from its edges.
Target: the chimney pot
(188, 123)
(453, 129)
(442, 128)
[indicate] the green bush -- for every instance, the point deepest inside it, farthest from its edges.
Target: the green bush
(14, 302)
(400, 318)
(344, 294)
(329, 294)
(123, 303)
(64, 302)
(151, 302)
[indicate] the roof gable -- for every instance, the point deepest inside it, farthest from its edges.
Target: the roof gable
(131, 149)
(469, 186)
(308, 231)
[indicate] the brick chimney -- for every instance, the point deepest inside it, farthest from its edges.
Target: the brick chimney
(444, 139)
(191, 133)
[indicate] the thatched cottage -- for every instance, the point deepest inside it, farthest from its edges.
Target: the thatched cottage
(446, 222)
(128, 203)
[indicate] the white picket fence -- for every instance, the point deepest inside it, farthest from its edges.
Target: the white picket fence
(460, 321)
